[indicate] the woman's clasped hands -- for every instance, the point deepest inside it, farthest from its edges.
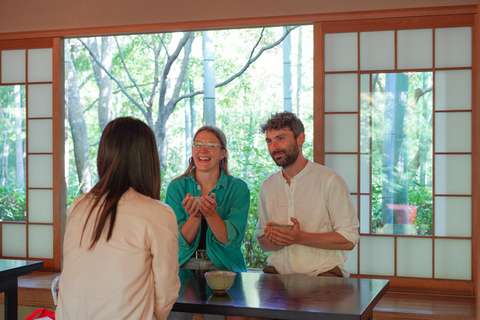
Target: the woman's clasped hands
(206, 206)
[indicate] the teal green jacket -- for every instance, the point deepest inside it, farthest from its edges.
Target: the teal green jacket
(233, 202)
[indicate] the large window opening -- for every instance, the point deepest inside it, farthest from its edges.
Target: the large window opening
(397, 129)
(177, 82)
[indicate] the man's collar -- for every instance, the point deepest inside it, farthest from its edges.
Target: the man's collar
(304, 165)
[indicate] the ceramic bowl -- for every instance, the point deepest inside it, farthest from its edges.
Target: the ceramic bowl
(220, 281)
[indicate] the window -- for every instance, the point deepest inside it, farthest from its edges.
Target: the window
(256, 72)
(407, 161)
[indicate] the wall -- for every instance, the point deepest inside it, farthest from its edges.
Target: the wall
(51, 15)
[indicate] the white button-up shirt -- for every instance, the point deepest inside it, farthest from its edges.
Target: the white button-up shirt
(319, 199)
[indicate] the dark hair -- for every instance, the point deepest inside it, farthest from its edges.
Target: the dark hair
(223, 141)
(127, 158)
(283, 120)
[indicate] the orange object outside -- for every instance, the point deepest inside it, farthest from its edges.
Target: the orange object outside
(405, 213)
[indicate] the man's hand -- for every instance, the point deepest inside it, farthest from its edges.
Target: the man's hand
(283, 237)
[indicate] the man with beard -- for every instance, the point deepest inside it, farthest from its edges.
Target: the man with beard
(306, 217)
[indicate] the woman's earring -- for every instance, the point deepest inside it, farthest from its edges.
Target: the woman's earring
(222, 163)
(191, 162)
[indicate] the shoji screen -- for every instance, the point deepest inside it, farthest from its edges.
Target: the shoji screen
(354, 56)
(34, 66)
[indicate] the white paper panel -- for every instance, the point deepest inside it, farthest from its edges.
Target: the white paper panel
(377, 256)
(453, 47)
(40, 206)
(351, 264)
(40, 65)
(453, 216)
(414, 257)
(453, 90)
(40, 241)
(377, 50)
(13, 66)
(365, 173)
(341, 133)
(341, 92)
(453, 132)
(341, 52)
(40, 101)
(453, 259)
(453, 174)
(40, 139)
(414, 49)
(346, 166)
(365, 214)
(40, 171)
(14, 240)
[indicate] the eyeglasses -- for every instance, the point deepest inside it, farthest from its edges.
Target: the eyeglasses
(197, 145)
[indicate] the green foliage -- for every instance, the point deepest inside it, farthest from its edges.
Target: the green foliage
(422, 198)
(12, 204)
(12, 153)
(255, 166)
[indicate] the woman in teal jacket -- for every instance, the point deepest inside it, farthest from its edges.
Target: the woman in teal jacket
(211, 207)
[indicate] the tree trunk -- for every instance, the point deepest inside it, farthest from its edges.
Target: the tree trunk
(19, 152)
(388, 147)
(193, 121)
(401, 152)
(188, 123)
(78, 126)
(4, 164)
(161, 137)
(165, 108)
(209, 117)
(299, 69)
(287, 72)
(395, 162)
(105, 85)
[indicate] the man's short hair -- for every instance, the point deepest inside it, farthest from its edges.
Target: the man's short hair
(283, 120)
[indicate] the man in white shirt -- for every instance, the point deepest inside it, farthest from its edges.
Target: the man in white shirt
(312, 198)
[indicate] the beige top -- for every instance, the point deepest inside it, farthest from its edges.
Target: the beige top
(132, 276)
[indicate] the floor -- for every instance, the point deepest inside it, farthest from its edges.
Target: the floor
(23, 312)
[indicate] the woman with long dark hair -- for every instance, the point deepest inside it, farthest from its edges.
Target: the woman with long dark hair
(120, 246)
